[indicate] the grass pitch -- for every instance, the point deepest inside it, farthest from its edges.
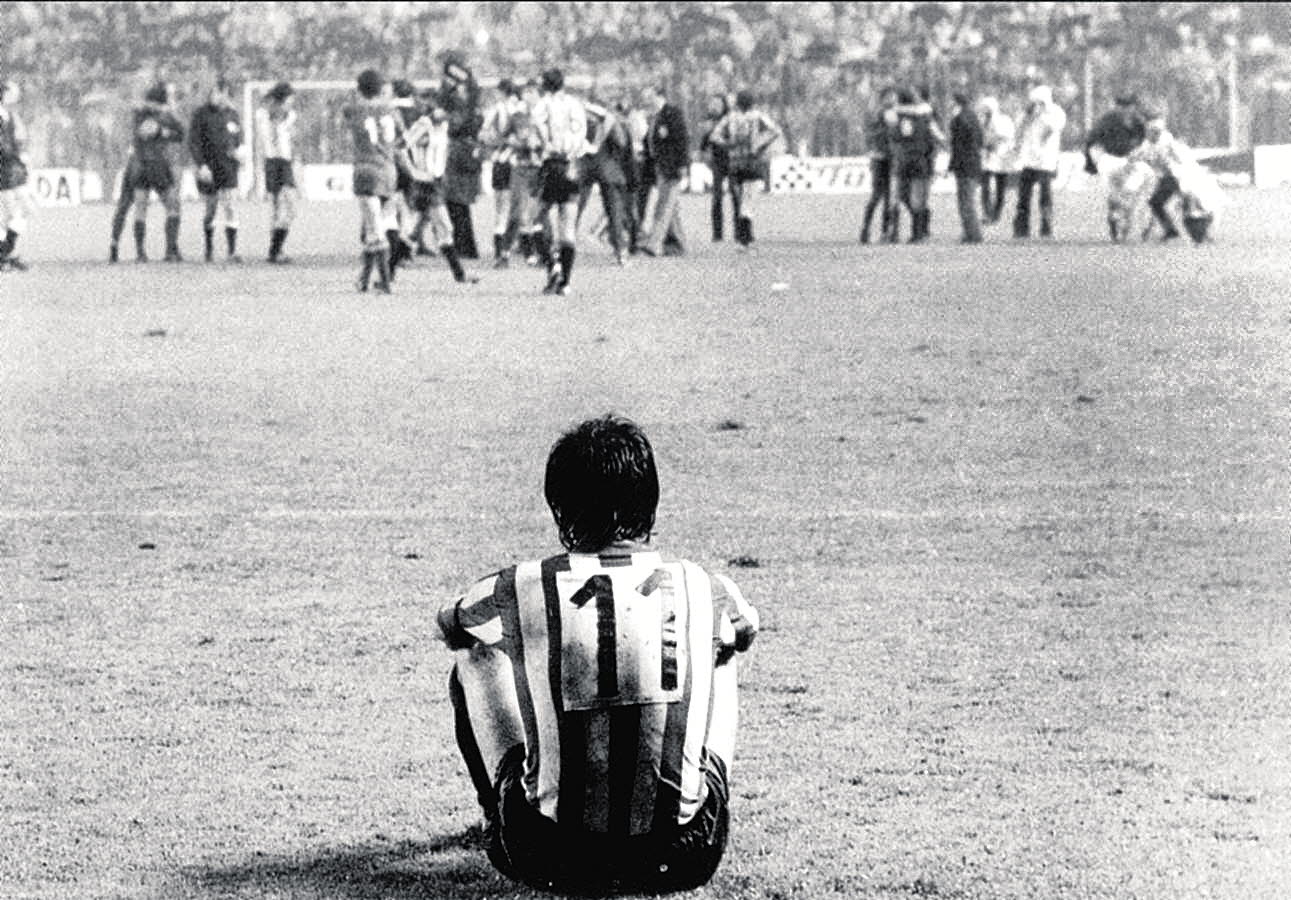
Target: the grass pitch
(1015, 517)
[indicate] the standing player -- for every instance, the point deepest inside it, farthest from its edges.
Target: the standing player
(718, 163)
(525, 151)
(497, 124)
(276, 126)
(375, 131)
(215, 140)
(914, 148)
(15, 197)
(156, 132)
(1107, 150)
(747, 134)
(604, 168)
(878, 135)
(125, 200)
(424, 159)
(561, 123)
(595, 692)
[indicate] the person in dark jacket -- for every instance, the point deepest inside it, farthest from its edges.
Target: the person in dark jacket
(668, 149)
(966, 166)
(914, 147)
(156, 131)
(718, 160)
(459, 96)
(878, 135)
(1107, 148)
(215, 139)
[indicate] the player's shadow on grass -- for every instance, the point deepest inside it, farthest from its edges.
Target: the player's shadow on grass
(448, 866)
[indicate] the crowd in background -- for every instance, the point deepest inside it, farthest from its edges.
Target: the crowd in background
(812, 65)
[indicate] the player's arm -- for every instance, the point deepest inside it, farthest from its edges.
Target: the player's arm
(473, 619)
(770, 133)
(737, 620)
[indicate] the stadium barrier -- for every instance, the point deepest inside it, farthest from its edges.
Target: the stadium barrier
(1263, 166)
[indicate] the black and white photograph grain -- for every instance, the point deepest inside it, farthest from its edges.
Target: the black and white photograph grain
(697, 450)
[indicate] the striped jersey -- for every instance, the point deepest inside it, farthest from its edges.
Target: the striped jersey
(276, 128)
(561, 121)
(426, 143)
(613, 657)
(748, 132)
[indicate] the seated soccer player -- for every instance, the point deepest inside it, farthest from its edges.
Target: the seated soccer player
(594, 691)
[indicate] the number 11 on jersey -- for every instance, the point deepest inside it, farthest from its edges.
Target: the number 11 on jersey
(619, 639)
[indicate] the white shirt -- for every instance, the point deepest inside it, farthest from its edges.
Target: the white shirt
(276, 132)
(561, 121)
(427, 147)
(997, 154)
(1040, 138)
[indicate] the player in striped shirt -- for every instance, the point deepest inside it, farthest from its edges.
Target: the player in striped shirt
(425, 159)
(561, 123)
(276, 126)
(595, 691)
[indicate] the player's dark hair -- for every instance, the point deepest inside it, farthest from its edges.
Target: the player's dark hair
(369, 83)
(402, 88)
(553, 80)
(602, 485)
(744, 101)
(156, 93)
(281, 91)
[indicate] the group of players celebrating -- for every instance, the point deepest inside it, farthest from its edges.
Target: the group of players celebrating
(549, 149)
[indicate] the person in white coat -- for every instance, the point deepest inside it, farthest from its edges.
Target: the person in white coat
(1039, 148)
(998, 135)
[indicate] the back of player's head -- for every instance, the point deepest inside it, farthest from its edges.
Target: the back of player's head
(507, 88)
(280, 92)
(601, 484)
(402, 88)
(157, 93)
(905, 96)
(370, 83)
(553, 80)
(744, 101)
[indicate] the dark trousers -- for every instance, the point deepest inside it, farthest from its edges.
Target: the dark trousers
(1165, 191)
(459, 214)
(1028, 179)
(717, 208)
(880, 197)
(970, 217)
(993, 188)
(525, 845)
(614, 203)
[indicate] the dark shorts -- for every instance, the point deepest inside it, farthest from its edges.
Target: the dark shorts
(917, 167)
(278, 175)
(224, 176)
(527, 846)
(13, 174)
(742, 168)
(558, 181)
(500, 180)
(154, 176)
(372, 182)
(422, 195)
